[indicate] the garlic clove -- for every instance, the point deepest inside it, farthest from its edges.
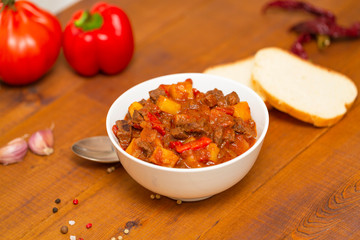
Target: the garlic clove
(14, 151)
(42, 142)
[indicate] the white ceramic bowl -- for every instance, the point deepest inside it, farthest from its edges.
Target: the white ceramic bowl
(189, 184)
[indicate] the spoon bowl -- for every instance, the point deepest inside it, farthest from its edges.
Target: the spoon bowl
(97, 149)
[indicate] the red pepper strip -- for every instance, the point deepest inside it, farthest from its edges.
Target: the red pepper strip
(298, 5)
(195, 92)
(193, 145)
(156, 124)
(227, 110)
(115, 129)
(173, 144)
(162, 86)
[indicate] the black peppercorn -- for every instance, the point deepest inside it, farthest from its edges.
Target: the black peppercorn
(57, 200)
(55, 210)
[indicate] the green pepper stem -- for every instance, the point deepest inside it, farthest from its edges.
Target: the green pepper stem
(8, 3)
(88, 21)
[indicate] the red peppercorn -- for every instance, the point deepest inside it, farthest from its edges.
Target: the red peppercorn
(75, 201)
(81, 239)
(89, 225)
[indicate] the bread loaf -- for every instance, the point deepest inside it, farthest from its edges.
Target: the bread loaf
(306, 91)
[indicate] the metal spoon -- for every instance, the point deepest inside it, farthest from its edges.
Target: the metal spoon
(98, 149)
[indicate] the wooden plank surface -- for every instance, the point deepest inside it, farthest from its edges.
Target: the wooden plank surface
(304, 185)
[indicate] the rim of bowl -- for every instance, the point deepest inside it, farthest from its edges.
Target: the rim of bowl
(259, 139)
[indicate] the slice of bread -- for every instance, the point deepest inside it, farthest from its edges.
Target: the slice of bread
(306, 91)
(239, 71)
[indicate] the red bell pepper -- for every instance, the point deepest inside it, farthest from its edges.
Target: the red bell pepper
(100, 40)
(156, 124)
(115, 129)
(30, 42)
(227, 110)
(173, 144)
(194, 145)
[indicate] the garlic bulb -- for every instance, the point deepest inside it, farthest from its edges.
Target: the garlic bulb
(42, 142)
(14, 151)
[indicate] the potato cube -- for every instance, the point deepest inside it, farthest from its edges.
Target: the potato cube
(131, 148)
(214, 151)
(182, 90)
(242, 110)
(167, 105)
(164, 157)
(134, 106)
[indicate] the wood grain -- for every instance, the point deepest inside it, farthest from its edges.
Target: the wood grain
(304, 185)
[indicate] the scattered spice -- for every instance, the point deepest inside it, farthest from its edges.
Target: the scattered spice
(157, 196)
(110, 169)
(120, 237)
(72, 237)
(64, 229)
(152, 196)
(57, 201)
(75, 201)
(179, 201)
(89, 225)
(55, 210)
(126, 231)
(71, 222)
(81, 239)
(323, 28)
(113, 238)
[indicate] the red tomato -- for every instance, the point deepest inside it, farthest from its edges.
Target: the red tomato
(100, 40)
(30, 42)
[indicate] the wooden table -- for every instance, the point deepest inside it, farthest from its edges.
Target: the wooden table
(304, 185)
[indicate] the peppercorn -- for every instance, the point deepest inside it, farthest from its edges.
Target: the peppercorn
(55, 210)
(75, 201)
(126, 231)
(57, 201)
(64, 229)
(89, 225)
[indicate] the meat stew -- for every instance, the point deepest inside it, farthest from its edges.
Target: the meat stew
(179, 126)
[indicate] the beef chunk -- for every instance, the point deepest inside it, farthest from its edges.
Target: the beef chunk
(219, 118)
(124, 133)
(215, 98)
(178, 133)
(218, 136)
(229, 135)
(137, 118)
(154, 94)
(210, 100)
(146, 147)
(191, 123)
(197, 126)
(222, 136)
(248, 128)
(232, 98)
